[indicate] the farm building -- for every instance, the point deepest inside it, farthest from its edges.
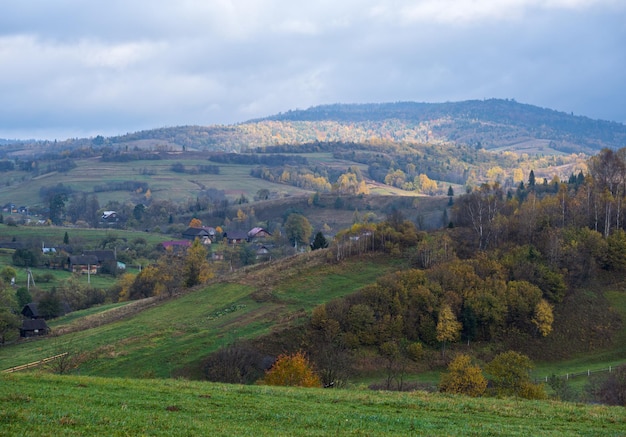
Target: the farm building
(33, 328)
(84, 264)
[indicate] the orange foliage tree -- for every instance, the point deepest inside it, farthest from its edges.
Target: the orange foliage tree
(292, 370)
(195, 223)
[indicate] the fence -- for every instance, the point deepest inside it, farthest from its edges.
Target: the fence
(585, 373)
(33, 364)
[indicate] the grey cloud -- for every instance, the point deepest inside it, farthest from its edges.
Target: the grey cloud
(116, 66)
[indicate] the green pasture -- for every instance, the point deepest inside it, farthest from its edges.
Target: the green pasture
(75, 315)
(88, 238)
(164, 184)
(45, 405)
(172, 338)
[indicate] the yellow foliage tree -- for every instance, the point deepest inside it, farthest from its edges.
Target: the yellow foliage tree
(291, 370)
(463, 378)
(125, 283)
(448, 327)
(426, 184)
(241, 216)
(196, 268)
(543, 317)
(510, 374)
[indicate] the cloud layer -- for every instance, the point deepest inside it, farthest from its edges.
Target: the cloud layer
(73, 68)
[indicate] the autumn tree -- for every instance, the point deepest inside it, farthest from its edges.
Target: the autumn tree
(448, 327)
(145, 284)
(479, 210)
(291, 370)
(196, 268)
(169, 266)
(124, 286)
(350, 183)
(298, 230)
(195, 223)
(463, 378)
(510, 374)
(543, 317)
(607, 169)
(328, 348)
(425, 185)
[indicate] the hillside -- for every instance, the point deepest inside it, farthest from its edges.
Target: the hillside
(174, 336)
(405, 148)
(493, 124)
(47, 405)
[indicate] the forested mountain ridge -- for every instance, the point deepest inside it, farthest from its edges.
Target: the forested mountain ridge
(493, 124)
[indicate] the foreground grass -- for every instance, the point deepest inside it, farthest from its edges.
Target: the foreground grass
(49, 405)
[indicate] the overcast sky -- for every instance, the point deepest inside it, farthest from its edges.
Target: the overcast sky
(74, 68)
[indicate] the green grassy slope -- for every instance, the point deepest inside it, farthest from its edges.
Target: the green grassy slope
(172, 338)
(37, 404)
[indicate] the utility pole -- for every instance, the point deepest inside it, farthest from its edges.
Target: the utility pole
(29, 278)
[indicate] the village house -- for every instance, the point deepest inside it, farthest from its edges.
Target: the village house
(258, 234)
(83, 264)
(204, 234)
(236, 237)
(33, 328)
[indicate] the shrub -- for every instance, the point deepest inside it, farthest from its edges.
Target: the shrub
(291, 370)
(510, 374)
(239, 363)
(463, 378)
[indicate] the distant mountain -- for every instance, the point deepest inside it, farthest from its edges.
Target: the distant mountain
(492, 124)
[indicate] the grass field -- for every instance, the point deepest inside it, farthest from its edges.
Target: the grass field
(163, 182)
(173, 338)
(53, 235)
(22, 189)
(45, 405)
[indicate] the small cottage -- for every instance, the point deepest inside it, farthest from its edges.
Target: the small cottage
(33, 328)
(258, 233)
(31, 311)
(83, 264)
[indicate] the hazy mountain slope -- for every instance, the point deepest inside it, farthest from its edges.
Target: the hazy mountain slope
(491, 124)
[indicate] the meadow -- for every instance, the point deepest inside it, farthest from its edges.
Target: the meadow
(36, 404)
(20, 188)
(172, 338)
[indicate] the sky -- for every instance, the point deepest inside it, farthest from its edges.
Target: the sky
(75, 68)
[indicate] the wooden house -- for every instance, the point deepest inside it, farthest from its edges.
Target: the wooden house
(193, 233)
(33, 328)
(102, 255)
(83, 264)
(258, 234)
(31, 311)
(237, 237)
(110, 217)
